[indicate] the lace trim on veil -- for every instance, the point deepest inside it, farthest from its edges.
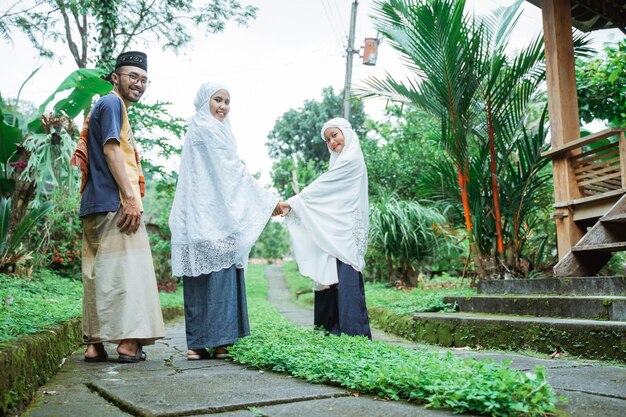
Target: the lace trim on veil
(199, 258)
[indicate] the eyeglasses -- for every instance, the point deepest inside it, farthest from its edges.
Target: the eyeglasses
(134, 78)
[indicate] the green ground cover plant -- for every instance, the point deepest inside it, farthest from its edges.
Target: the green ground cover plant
(424, 298)
(390, 372)
(408, 301)
(33, 304)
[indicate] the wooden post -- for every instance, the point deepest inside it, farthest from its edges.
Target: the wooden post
(563, 110)
(622, 157)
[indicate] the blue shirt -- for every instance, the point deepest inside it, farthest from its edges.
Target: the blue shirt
(101, 193)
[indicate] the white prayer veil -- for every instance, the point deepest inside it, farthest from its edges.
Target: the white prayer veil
(219, 209)
(329, 218)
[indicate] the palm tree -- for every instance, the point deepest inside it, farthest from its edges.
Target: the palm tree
(435, 39)
(466, 78)
(506, 85)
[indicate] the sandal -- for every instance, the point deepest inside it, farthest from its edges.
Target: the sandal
(102, 355)
(139, 356)
(198, 354)
(220, 352)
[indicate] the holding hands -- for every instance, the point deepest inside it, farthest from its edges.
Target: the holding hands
(281, 209)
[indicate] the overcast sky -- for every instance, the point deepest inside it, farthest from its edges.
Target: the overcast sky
(287, 55)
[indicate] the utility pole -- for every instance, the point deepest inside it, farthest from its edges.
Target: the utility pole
(349, 54)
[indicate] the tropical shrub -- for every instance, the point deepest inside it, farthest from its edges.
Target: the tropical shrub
(49, 153)
(406, 238)
(12, 249)
(10, 137)
(161, 258)
(60, 239)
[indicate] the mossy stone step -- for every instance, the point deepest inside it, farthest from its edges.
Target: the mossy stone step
(590, 339)
(615, 285)
(584, 307)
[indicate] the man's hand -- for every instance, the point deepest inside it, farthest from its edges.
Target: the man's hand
(131, 217)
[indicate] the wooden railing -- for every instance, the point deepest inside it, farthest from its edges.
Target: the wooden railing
(598, 162)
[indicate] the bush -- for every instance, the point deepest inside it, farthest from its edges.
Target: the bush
(61, 237)
(406, 236)
(12, 248)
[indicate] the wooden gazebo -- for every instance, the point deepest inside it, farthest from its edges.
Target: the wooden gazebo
(590, 172)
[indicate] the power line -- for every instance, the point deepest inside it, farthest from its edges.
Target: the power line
(333, 24)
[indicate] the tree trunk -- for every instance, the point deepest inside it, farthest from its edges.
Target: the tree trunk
(466, 208)
(494, 185)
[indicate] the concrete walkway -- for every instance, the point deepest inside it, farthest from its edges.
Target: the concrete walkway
(169, 385)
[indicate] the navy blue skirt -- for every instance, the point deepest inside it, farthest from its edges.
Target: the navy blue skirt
(216, 313)
(341, 308)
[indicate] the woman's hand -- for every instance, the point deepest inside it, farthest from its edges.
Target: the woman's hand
(285, 208)
(277, 210)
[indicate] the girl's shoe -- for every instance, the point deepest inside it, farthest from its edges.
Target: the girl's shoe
(197, 354)
(220, 352)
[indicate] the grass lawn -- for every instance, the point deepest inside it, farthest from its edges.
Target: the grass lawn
(33, 304)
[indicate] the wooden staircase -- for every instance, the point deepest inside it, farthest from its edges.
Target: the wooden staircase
(593, 170)
(595, 249)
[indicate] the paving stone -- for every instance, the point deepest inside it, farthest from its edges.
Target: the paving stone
(586, 405)
(203, 390)
(351, 407)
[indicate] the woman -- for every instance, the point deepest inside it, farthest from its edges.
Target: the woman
(328, 223)
(218, 213)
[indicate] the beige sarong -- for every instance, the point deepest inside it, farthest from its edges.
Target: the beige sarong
(120, 299)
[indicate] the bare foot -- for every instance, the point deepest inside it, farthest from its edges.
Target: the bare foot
(128, 349)
(221, 352)
(96, 353)
(198, 354)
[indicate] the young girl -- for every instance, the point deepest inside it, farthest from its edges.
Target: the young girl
(328, 224)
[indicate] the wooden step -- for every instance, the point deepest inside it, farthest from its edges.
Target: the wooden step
(579, 307)
(595, 248)
(614, 218)
(585, 338)
(600, 247)
(555, 286)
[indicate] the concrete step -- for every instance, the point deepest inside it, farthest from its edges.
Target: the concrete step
(581, 307)
(569, 286)
(584, 338)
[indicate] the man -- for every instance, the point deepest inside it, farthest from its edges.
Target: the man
(121, 301)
